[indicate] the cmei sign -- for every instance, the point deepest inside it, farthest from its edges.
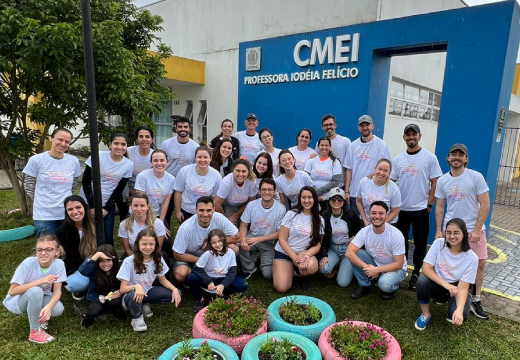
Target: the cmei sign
(339, 50)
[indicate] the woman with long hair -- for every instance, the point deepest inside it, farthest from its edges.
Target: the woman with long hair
(263, 169)
(379, 187)
(221, 160)
(302, 152)
(291, 180)
(140, 154)
(267, 138)
(227, 129)
(325, 170)
(299, 241)
(49, 178)
(78, 237)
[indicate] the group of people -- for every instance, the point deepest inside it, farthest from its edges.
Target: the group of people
(343, 209)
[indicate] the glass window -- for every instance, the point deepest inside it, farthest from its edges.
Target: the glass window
(435, 115)
(397, 90)
(436, 100)
(395, 107)
(424, 112)
(410, 110)
(424, 96)
(411, 93)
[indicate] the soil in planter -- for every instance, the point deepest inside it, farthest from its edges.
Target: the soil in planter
(264, 356)
(214, 355)
(299, 314)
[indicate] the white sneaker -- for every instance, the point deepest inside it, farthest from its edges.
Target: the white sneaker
(147, 311)
(139, 324)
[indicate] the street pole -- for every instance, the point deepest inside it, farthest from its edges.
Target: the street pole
(92, 118)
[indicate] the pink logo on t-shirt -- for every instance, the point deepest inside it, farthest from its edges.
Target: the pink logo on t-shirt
(411, 169)
(445, 269)
(363, 155)
(458, 193)
(110, 177)
(302, 229)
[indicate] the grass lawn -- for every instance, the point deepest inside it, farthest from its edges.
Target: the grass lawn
(109, 339)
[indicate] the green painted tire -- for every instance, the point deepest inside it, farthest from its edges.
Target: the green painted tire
(220, 348)
(16, 234)
(310, 349)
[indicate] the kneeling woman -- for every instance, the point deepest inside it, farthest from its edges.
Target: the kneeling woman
(299, 241)
(449, 268)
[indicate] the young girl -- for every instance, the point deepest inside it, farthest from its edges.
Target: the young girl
(449, 268)
(137, 274)
(216, 270)
(299, 241)
(103, 291)
(267, 138)
(236, 191)
(290, 181)
(302, 152)
(142, 217)
(222, 161)
(115, 169)
(36, 288)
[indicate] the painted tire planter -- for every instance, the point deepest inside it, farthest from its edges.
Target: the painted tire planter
(329, 353)
(201, 331)
(16, 234)
(312, 332)
(222, 349)
(252, 348)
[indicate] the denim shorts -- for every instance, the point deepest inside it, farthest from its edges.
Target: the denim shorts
(281, 256)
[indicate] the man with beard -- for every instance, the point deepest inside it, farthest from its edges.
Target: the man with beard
(382, 258)
(417, 171)
(190, 240)
(466, 196)
(362, 157)
(339, 144)
(181, 152)
(250, 144)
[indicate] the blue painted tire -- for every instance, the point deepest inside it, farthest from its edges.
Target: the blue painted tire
(220, 348)
(312, 332)
(310, 349)
(16, 234)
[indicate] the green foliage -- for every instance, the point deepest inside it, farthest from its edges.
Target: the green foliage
(187, 352)
(280, 350)
(359, 342)
(236, 316)
(299, 314)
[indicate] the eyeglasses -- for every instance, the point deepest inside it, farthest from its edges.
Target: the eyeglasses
(46, 250)
(337, 199)
(329, 125)
(266, 137)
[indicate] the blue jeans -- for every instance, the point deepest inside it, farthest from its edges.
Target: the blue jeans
(156, 295)
(46, 227)
(388, 282)
(78, 284)
(194, 282)
(346, 272)
(109, 221)
(353, 205)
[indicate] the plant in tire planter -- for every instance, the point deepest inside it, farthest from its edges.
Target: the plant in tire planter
(218, 349)
(299, 314)
(356, 340)
(254, 348)
(280, 349)
(204, 352)
(234, 321)
(312, 331)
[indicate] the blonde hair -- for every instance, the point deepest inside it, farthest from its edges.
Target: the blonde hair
(150, 215)
(250, 174)
(387, 182)
(53, 238)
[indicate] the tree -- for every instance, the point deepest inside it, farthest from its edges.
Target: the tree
(41, 56)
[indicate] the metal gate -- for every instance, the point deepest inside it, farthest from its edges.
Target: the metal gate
(508, 184)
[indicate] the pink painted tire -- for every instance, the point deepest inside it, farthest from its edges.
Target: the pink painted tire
(201, 331)
(329, 353)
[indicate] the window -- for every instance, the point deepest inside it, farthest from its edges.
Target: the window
(163, 123)
(202, 121)
(412, 101)
(189, 115)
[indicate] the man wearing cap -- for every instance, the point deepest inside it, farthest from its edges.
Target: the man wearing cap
(339, 144)
(466, 196)
(362, 157)
(416, 171)
(250, 144)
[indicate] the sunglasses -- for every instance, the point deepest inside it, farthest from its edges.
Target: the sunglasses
(337, 199)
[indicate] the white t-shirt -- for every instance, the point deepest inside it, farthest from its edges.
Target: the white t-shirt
(30, 270)
(413, 174)
(450, 267)
(159, 229)
(362, 159)
(339, 146)
(291, 189)
(322, 171)
(301, 157)
(140, 163)
(339, 231)
(382, 247)
(276, 162)
(156, 188)
(263, 221)
(127, 272)
(193, 186)
(191, 235)
(461, 195)
(369, 192)
(179, 155)
(233, 194)
(250, 146)
(300, 231)
(217, 266)
(54, 178)
(111, 173)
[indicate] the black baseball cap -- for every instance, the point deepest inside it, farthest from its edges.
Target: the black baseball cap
(460, 147)
(413, 127)
(251, 116)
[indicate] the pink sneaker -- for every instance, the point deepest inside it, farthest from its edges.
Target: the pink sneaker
(40, 336)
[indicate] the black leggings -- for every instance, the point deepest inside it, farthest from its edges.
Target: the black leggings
(96, 308)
